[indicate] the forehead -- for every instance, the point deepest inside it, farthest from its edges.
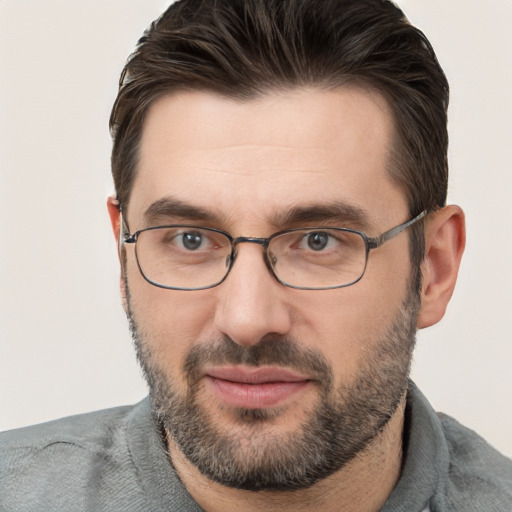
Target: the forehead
(256, 157)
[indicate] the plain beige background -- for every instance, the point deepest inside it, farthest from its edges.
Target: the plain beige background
(64, 342)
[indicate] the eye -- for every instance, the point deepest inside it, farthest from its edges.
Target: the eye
(317, 241)
(191, 240)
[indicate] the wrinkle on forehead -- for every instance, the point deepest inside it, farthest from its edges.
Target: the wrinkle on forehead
(251, 172)
(254, 160)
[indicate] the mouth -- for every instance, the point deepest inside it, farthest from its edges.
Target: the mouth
(255, 388)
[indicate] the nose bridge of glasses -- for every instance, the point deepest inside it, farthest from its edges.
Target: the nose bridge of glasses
(251, 240)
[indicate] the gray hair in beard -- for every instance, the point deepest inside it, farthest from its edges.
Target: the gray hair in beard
(346, 419)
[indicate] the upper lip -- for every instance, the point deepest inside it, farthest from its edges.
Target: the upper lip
(259, 375)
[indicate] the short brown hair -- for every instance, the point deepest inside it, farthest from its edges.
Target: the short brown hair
(244, 48)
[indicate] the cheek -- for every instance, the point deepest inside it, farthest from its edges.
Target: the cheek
(340, 329)
(346, 324)
(170, 321)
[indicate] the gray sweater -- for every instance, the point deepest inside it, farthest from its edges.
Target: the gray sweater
(115, 460)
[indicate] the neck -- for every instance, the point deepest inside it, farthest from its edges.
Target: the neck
(364, 484)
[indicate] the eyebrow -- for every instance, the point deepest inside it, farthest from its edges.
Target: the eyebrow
(169, 207)
(341, 212)
(337, 211)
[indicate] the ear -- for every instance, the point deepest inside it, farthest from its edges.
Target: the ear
(445, 238)
(114, 213)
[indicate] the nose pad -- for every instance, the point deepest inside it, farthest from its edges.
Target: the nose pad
(268, 257)
(271, 259)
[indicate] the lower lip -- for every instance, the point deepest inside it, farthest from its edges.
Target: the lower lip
(255, 396)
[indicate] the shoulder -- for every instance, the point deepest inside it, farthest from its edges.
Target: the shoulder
(58, 464)
(84, 431)
(479, 477)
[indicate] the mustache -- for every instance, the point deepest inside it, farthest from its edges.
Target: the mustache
(271, 350)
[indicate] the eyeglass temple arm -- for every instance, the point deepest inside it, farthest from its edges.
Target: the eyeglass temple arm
(125, 237)
(377, 241)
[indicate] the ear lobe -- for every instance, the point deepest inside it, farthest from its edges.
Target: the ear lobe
(445, 239)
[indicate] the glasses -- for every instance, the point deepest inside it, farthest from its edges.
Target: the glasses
(188, 257)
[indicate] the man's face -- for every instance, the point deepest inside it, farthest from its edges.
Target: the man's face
(263, 386)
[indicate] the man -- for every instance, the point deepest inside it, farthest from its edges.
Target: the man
(281, 174)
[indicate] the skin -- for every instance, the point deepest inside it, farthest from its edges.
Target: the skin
(248, 163)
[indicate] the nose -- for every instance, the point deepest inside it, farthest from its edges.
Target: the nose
(251, 302)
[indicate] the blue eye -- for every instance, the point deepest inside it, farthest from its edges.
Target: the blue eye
(318, 241)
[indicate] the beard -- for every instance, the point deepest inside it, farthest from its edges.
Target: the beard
(342, 424)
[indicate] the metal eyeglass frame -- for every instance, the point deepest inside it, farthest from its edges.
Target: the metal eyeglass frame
(370, 244)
